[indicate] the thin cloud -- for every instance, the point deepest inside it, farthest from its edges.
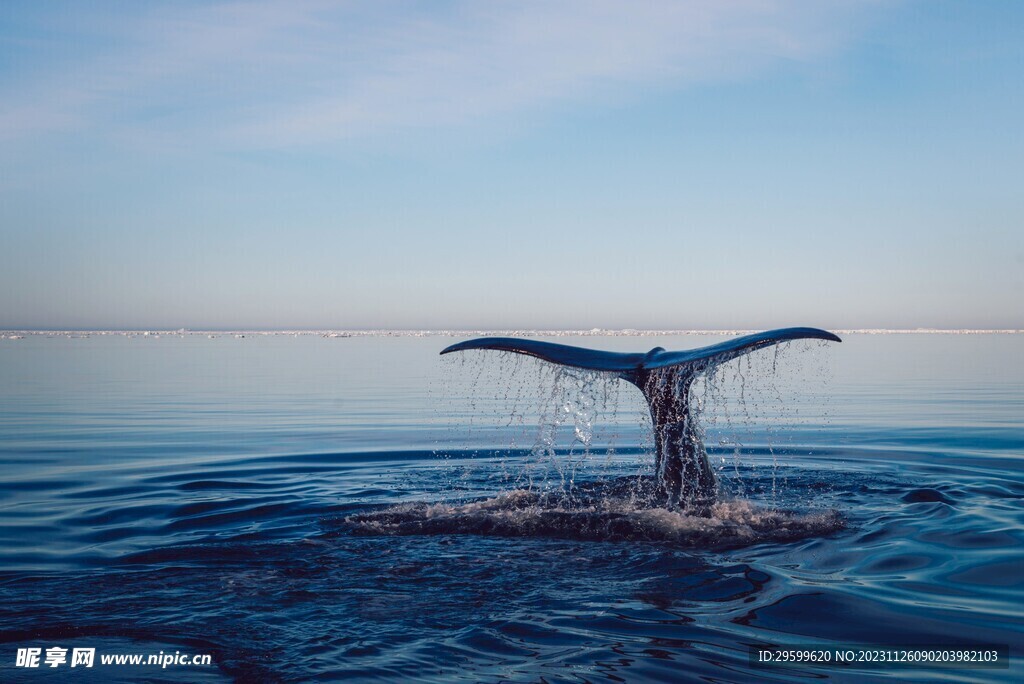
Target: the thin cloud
(281, 74)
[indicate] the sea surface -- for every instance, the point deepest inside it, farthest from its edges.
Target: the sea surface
(305, 508)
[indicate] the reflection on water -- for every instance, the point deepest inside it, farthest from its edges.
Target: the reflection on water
(358, 508)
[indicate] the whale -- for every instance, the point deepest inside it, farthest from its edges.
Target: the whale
(685, 479)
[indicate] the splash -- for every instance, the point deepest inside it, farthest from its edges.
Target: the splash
(605, 513)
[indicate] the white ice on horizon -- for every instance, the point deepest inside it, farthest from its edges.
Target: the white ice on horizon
(593, 332)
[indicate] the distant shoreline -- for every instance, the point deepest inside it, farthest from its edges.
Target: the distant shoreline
(594, 332)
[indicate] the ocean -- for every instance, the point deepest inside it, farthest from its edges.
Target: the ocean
(305, 507)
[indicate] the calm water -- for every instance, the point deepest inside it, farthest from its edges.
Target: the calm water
(360, 508)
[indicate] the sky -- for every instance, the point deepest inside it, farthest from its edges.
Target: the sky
(496, 165)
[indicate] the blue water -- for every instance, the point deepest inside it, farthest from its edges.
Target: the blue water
(359, 508)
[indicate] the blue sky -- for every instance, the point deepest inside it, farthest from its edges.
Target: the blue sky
(511, 164)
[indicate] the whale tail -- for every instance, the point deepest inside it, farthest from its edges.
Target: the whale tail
(684, 475)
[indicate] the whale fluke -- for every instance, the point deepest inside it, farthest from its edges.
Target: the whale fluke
(595, 359)
(685, 477)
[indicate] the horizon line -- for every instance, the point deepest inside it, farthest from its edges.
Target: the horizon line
(455, 332)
